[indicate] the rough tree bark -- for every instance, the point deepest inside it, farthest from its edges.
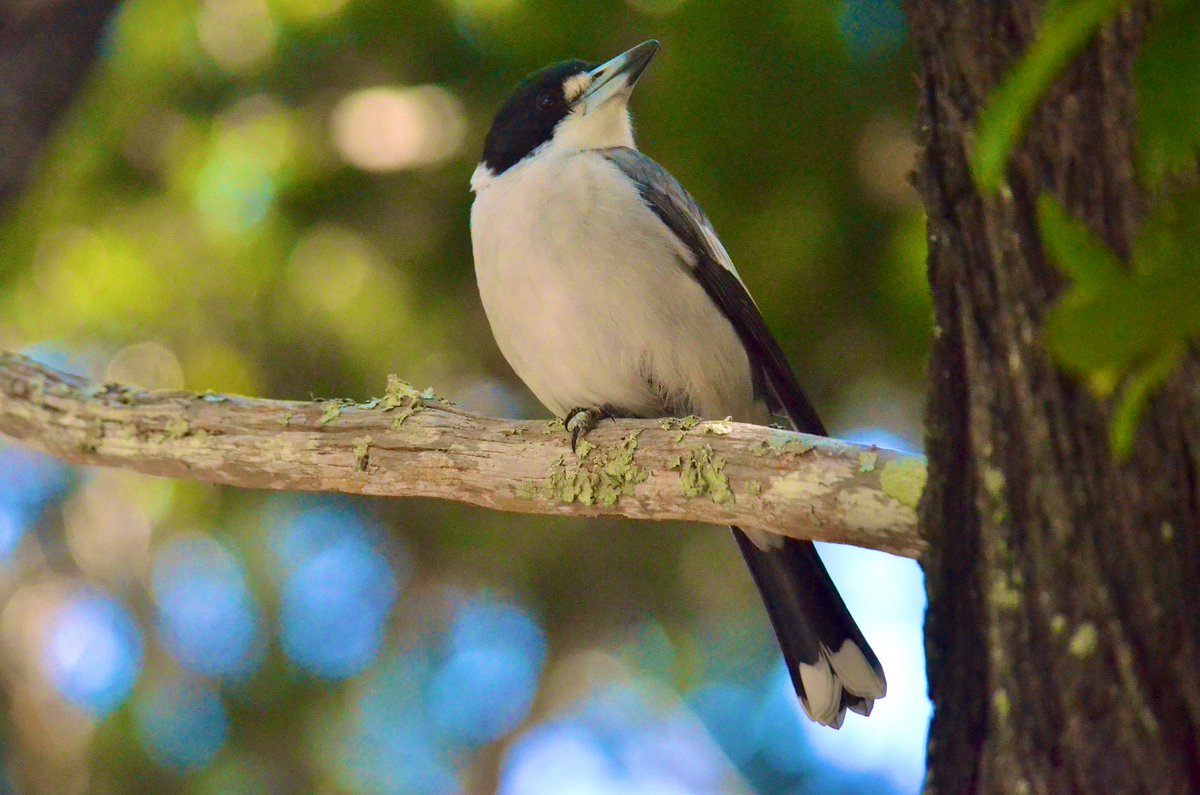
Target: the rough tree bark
(1063, 633)
(405, 446)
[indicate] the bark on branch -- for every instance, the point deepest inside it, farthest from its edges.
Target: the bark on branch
(406, 445)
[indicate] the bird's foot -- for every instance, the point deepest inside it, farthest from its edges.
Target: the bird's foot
(580, 420)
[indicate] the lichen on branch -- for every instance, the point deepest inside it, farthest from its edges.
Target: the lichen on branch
(415, 444)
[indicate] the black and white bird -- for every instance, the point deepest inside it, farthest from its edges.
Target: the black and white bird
(610, 295)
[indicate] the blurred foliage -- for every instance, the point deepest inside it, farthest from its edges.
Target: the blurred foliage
(1168, 85)
(1131, 324)
(270, 197)
(1066, 27)
(1119, 326)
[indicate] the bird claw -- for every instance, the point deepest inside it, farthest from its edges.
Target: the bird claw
(580, 420)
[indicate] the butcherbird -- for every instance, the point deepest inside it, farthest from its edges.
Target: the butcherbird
(611, 296)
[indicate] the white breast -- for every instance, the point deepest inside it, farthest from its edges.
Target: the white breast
(589, 301)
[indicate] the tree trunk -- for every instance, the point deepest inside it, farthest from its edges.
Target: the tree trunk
(46, 49)
(1063, 633)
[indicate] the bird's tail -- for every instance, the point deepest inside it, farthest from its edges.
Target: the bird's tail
(832, 667)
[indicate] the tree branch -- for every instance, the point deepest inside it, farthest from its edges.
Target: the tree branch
(409, 445)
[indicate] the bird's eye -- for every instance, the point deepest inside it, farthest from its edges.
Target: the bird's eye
(546, 100)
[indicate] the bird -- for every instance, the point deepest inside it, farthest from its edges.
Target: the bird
(610, 295)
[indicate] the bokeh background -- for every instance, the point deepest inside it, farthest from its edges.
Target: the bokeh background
(270, 197)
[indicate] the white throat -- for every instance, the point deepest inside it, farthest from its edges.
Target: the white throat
(600, 128)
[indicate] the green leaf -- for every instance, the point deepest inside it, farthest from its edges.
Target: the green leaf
(1111, 317)
(1082, 256)
(1115, 325)
(1167, 75)
(1169, 240)
(1101, 336)
(1135, 397)
(1065, 30)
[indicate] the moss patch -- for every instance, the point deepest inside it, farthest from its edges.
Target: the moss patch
(415, 407)
(719, 427)
(398, 393)
(333, 410)
(993, 481)
(680, 423)
(602, 477)
(362, 453)
(1001, 704)
(1004, 596)
(903, 479)
(780, 446)
(1058, 622)
(1083, 643)
(403, 396)
(703, 474)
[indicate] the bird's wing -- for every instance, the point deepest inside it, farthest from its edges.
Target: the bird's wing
(832, 667)
(711, 266)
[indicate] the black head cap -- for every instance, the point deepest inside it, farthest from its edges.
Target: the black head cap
(527, 120)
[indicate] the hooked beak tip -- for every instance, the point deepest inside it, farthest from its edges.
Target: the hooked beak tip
(620, 73)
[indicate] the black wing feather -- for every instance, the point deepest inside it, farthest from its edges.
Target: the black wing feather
(678, 210)
(804, 606)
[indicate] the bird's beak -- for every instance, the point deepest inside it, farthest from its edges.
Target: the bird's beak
(615, 78)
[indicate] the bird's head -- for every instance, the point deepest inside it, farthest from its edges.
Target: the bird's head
(568, 106)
